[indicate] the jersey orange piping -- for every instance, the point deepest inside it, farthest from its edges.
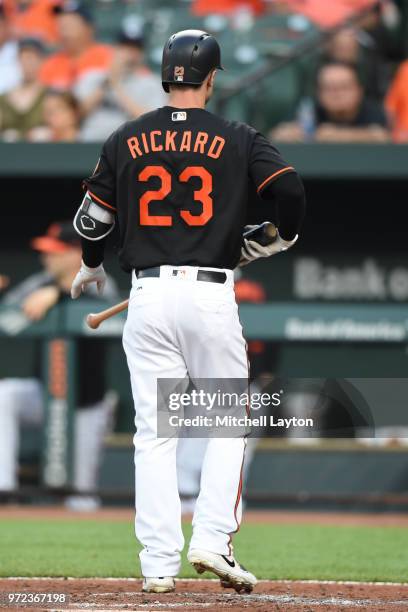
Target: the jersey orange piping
(273, 176)
(101, 201)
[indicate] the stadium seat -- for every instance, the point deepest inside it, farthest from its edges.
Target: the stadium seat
(276, 98)
(277, 34)
(161, 23)
(244, 51)
(108, 18)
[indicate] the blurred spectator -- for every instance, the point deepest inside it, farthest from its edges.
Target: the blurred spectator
(380, 30)
(328, 14)
(80, 56)
(21, 108)
(369, 46)
(22, 400)
(10, 74)
(129, 90)
(344, 47)
(384, 26)
(355, 47)
(205, 7)
(60, 118)
(341, 113)
(33, 19)
(397, 103)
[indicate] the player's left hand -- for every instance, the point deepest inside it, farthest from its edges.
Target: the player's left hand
(87, 275)
(251, 250)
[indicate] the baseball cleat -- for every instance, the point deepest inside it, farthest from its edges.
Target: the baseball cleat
(232, 574)
(163, 584)
(225, 584)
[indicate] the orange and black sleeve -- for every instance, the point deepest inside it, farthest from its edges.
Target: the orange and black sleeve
(101, 188)
(278, 182)
(102, 183)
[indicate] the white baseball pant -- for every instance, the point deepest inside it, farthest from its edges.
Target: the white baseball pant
(177, 325)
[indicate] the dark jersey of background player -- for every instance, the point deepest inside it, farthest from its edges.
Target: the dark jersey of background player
(369, 113)
(178, 181)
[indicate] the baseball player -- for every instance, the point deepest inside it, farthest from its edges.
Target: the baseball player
(22, 399)
(176, 181)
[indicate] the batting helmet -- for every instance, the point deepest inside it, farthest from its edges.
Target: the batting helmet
(188, 57)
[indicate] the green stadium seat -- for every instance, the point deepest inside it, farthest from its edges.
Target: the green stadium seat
(244, 51)
(164, 22)
(277, 35)
(235, 109)
(276, 98)
(108, 18)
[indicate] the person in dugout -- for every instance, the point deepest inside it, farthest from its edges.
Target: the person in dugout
(22, 399)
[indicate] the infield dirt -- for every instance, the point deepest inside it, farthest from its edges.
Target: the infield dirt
(105, 594)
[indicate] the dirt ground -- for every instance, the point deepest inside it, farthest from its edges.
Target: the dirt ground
(125, 594)
(105, 594)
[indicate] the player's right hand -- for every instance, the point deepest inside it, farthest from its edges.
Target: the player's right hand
(36, 305)
(85, 276)
(251, 250)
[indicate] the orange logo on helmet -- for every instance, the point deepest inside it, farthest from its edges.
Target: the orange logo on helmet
(179, 73)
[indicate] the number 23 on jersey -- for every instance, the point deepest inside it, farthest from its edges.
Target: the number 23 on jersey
(201, 195)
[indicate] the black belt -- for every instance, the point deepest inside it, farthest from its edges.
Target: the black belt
(209, 276)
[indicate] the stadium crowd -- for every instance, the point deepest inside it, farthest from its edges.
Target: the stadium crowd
(60, 83)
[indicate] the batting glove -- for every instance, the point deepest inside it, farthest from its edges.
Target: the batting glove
(86, 276)
(251, 250)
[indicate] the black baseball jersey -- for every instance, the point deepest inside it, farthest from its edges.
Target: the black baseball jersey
(178, 181)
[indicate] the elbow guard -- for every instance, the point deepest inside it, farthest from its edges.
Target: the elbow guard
(92, 221)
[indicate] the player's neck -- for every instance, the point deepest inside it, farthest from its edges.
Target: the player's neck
(187, 99)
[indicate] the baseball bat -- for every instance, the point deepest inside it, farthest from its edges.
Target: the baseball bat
(264, 234)
(94, 320)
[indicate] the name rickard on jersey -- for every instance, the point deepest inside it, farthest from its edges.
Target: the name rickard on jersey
(172, 140)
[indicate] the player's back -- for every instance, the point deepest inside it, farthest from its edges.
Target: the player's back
(181, 188)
